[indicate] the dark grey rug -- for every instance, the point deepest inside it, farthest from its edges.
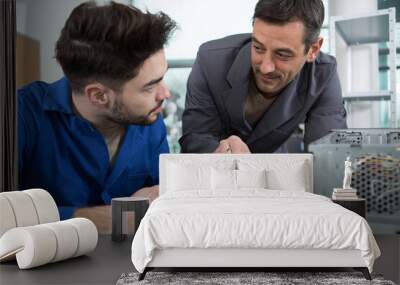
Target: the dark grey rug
(269, 278)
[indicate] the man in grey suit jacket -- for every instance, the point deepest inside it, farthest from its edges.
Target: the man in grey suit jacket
(249, 92)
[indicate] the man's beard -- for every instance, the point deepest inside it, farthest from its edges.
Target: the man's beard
(268, 90)
(122, 117)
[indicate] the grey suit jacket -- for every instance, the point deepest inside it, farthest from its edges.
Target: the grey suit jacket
(216, 92)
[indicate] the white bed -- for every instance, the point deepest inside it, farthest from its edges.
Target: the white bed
(253, 210)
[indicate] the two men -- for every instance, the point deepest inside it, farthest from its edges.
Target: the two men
(97, 133)
(249, 92)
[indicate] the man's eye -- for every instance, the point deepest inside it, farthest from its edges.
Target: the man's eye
(284, 55)
(149, 89)
(258, 49)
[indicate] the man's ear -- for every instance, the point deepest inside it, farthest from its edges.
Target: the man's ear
(314, 49)
(97, 94)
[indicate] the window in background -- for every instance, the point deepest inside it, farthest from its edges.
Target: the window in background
(199, 21)
(175, 79)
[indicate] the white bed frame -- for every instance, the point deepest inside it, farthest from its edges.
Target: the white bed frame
(250, 258)
(234, 257)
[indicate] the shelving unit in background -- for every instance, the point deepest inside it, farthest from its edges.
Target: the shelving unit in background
(376, 27)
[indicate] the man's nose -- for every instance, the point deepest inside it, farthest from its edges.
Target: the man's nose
(163, 92)
(267, 65)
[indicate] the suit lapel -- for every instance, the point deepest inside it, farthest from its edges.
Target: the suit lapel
(234, 98)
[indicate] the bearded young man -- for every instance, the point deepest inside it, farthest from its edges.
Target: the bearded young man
(97, 133)
(249, 93)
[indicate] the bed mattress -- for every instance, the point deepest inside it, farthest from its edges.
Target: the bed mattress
(251, 219)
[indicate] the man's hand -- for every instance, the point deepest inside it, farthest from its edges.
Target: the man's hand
(148, 192)
(233, 144)
(99, 215)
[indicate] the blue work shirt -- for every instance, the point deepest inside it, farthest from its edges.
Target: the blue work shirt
(65, 155)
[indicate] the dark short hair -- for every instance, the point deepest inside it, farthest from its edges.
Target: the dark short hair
(109, 43)
(310, 12)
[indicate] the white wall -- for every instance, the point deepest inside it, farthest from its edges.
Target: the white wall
(21, 10)
(201, 21)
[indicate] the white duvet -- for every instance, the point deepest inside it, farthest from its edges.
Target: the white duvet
(251, 218)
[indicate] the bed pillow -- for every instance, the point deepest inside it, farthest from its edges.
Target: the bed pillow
(223, 179)
(251, 178)
(182, 177)
(293, 178)
(282, 174)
